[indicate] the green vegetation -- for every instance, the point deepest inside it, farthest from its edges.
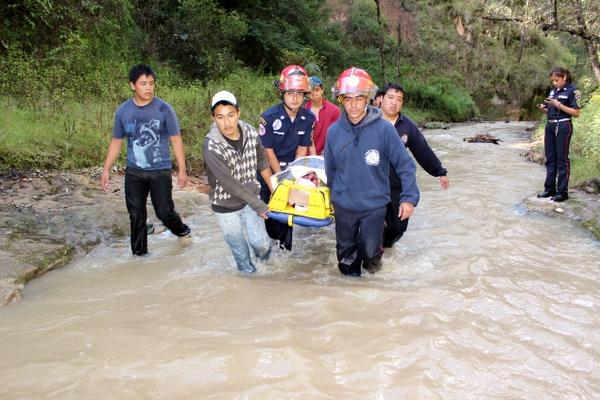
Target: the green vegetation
(63, 64)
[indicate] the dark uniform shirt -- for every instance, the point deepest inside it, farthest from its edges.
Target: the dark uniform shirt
(567, 96)
(278, 132)
(415, 141)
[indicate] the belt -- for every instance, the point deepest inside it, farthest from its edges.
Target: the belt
(554, 121)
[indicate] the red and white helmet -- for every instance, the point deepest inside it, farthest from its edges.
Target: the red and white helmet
(293, 77)
(354, 81)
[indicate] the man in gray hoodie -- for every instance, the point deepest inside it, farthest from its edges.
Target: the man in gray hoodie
(233, 154)
(359, 150)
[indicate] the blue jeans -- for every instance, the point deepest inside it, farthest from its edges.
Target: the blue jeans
(233, 225)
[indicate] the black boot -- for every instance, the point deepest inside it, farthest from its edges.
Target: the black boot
(349, 269)
(186, 231)
(560, 197)
(545, 194)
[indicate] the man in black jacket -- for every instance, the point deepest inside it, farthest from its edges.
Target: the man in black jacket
(413, 139)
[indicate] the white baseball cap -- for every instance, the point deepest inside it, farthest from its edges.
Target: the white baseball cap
(223, 96)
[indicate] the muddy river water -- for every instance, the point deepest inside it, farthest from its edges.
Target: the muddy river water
(478, 300)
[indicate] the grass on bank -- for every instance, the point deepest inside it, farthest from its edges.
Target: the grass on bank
(75, 133)
(66, 129)
(585, 142)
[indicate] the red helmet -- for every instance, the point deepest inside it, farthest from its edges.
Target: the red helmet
(293, 77)
(354, 81)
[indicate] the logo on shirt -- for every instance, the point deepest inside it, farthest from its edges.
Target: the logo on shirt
(404, 138)
(577, 94)
(301, 132)
(372, 157)
(277, 125)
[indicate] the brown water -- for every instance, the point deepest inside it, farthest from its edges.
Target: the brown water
(478, 300)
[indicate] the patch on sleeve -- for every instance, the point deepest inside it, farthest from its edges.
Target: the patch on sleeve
(261, 126)
(577, 94)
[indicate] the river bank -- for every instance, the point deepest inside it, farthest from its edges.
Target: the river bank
(583, 206)
(48, 218)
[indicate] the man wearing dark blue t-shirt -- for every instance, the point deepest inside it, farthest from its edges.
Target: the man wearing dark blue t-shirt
(149, 124)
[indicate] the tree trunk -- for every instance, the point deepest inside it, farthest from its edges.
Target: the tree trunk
(592, 48)
(381, 40)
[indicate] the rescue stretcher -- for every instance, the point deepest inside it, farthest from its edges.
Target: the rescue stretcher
(300, 195)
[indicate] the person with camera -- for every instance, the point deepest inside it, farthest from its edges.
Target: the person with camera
(560, 106)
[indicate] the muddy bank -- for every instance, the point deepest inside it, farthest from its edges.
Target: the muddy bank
(48, 218)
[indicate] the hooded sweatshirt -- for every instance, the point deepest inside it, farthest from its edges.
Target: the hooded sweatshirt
(232, 173)
(357, 163)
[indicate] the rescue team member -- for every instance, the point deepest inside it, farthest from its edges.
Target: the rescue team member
(233, 156)
(359, 149)
(561, 106)
(325, 114)
(376, 101)
(391, 107)
(285, 131)
(149, 124)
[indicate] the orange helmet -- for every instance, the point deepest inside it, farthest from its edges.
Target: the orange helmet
(293, 77)
(354, 81)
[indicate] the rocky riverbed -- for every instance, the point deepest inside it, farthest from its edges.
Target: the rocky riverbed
(47, 218)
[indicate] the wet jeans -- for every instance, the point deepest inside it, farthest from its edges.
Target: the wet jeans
(243, 229)
(138, 183)
(359, 237)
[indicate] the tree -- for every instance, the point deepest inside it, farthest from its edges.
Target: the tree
(575, 17)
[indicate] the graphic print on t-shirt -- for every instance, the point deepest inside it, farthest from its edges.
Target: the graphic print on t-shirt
(146, 144)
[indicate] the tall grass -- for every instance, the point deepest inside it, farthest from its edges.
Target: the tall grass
(70, 132)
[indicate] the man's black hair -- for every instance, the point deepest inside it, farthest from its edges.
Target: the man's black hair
(392, 85)
(138, 70)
